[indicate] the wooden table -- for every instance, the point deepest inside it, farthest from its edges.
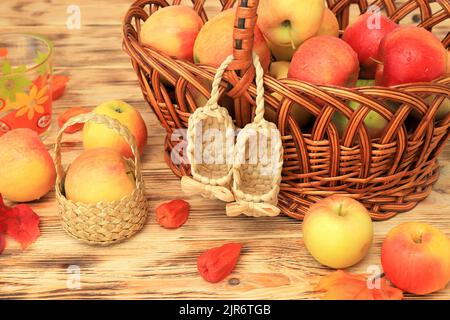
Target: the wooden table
(159, 263)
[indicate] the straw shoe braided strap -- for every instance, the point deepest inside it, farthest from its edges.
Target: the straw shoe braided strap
(103, 223)
(210, 149)
(258, 162)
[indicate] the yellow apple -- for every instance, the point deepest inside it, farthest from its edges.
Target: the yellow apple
(330, 24)
(99, 175)
(214, 42)
(27, 171)
(279, 70)
(286, 24)
(338, 231)
(172, 30)
(100, 136)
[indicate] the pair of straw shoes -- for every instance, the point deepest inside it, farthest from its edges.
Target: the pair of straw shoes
(245, 173)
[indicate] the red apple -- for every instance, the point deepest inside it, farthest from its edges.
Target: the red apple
(364, 36)
(416, 258)
(410, 54)
(325, 60)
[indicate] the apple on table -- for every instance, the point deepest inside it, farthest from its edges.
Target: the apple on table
(338, 231)
(416, 258)
(27, 172)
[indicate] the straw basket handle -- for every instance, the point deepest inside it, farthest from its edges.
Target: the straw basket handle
(111, 124)
(212, 103)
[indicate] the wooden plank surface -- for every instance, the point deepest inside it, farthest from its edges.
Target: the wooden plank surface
(159, 263)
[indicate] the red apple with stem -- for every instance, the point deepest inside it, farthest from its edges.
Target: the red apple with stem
(416, 258)
(364, 36)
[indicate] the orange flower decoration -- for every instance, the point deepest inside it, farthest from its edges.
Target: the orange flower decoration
(2, 104)
(31, 103)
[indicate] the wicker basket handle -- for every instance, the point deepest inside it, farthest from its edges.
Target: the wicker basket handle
(243, 34)
(111, 124)
(243, 37)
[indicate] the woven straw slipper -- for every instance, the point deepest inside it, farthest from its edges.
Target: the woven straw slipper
(103, 223)
(210, 149)
(258, 162)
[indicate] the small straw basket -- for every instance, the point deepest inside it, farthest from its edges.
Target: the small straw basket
(102, 223)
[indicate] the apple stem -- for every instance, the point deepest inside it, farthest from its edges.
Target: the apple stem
(376, 61)
(418, 239)
(340, 209)
(293, 44)
(376, 277)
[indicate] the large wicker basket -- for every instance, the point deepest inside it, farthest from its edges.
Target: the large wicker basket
(388, 175)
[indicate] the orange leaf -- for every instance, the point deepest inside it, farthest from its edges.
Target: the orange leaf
(58, 86)
(341, 285)
(3, 52)
(387, 292)
(70, 113)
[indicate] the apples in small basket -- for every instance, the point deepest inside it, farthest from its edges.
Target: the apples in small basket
(100, 136)
(98, 175)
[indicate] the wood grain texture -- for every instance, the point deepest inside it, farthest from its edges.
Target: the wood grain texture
(159, 263)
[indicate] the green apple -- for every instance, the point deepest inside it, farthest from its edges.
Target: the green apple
(338, 231)
(374, 122)
(443, 110)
